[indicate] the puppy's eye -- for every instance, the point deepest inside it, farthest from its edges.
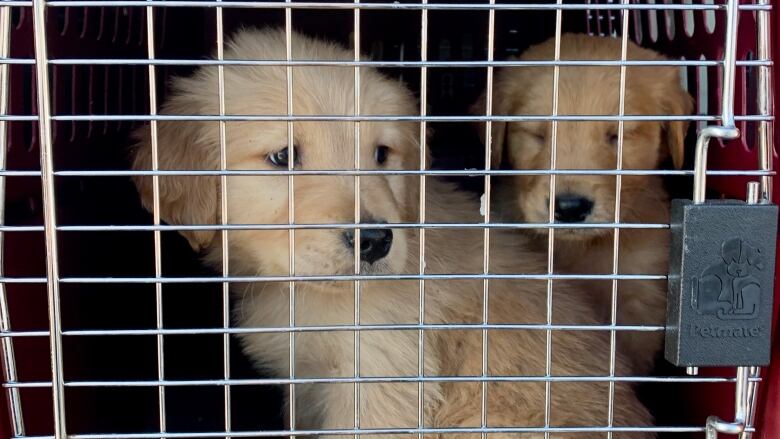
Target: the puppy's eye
(613, 139)
(281, 158)
(539, 137)
(380, 154)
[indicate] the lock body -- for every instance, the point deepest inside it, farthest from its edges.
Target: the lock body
(721, 283)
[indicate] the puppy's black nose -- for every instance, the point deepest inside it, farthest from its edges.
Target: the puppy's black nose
(572, 208)
(374, 243)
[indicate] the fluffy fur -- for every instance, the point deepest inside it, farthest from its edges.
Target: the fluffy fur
(591, 90)
(388, 352)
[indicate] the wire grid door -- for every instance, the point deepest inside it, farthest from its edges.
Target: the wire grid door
(746, 380)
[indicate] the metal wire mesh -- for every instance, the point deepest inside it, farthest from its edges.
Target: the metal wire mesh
(48, 175)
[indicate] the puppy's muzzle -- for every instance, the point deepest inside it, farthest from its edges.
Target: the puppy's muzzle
(375, 244)
(572, 208)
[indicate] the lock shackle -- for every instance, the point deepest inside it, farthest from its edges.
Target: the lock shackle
(727, 129)
(700, 164)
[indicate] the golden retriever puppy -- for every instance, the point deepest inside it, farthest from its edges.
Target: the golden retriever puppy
(322, 347)
(593, 145)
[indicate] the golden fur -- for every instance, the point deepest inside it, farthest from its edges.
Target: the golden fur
(329, 199)
(592, 90)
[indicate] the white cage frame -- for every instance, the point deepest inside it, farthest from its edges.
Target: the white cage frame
(747, 379)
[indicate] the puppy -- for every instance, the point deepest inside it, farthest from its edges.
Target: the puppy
(580, 199)
(323, 346)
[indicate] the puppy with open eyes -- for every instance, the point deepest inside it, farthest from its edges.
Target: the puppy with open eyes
(324, 313)
(593, 145)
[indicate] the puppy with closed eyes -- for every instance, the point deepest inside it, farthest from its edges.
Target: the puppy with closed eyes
(320, 355)
(593, 145)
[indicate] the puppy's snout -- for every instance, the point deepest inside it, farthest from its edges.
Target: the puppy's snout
(374, 243)
(572, 208)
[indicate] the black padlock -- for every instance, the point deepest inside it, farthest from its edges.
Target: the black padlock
(721, 281)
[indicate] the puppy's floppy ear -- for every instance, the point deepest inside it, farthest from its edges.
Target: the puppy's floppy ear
(675, 101)
(731, 250)
(498, 128)
(184, 200)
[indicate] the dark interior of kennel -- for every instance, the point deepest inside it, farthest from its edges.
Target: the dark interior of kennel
(103, 32)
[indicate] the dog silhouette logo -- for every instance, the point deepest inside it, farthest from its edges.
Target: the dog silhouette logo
(729, 289)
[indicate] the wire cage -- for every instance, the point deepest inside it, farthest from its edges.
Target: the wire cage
(110, 325)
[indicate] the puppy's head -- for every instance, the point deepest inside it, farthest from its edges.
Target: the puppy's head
(587, 90)
(263, 146)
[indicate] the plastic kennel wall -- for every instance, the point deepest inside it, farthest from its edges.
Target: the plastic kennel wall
(137, 356)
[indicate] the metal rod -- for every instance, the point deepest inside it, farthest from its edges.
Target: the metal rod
(391, 6)
(416, 327)
(335, 277)
(422, 216)
(288, 34)
(198, 331)
(751, 398)
(156, 217)
(754, 379)
(486, 204)
(277, 433)
(433, 172)
(223, 218)
(382, 118)
(727, 130)
(133, 280)
(391, 431)
(46, 146)
(363, 327)
(729, 60)
(551, 218)
(716, 425)
(17, 334)
(762, 61)
(765, 137)
(356, 249)
(687, 429)
(753, 192)
(420, 226)
(380, 379)
(9, 358)
(113, 436)
(616, 231)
